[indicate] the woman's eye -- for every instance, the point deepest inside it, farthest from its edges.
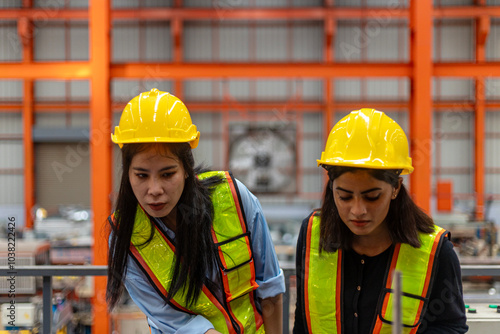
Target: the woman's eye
(141, 175)
(168, 174)
(345, 198)
(372, 198)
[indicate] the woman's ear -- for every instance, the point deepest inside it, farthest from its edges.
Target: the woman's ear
(395, 192)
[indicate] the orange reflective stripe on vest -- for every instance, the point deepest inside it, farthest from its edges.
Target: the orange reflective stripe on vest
(323, 283)
(415, 265)
(237, 313)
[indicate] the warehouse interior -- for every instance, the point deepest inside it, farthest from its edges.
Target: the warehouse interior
(264, 81)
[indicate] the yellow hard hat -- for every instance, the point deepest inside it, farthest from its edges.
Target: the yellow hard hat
(367, 138)
(155, 116)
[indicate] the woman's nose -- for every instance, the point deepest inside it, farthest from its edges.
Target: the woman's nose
(154, 187)
(358, 208)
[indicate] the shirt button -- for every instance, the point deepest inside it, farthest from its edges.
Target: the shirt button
(362, 261)
(355, 315)
(359, 288)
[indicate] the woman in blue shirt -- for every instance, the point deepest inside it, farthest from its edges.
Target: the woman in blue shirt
(191, 246)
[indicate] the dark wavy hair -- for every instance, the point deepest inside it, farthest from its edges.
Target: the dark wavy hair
(404, 219)
(194, 213)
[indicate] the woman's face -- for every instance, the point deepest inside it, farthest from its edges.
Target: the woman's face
(363, 202)
(157, 178)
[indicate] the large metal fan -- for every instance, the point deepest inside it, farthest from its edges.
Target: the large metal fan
(264, 159)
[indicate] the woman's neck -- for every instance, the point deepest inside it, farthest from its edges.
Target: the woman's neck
(371, 246)
(170, 220)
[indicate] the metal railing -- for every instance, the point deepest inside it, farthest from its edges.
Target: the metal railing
(48, 271)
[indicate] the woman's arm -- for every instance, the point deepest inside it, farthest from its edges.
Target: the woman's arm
(272, 313)
(446, 309)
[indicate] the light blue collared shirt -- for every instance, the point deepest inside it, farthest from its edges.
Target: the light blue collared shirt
(162, 318)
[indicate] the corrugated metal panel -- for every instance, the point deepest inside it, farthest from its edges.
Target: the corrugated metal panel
(49, 90)
(79, 41)
(376, 39)
(79, 90)
(447, 3)
(453, 132)
(224, 5)
(197, 39)
(11, 90)
(272, 90)
(120, 4)
(492, 89)
(202, 90)
(63, 176)
(234, 39)
(239, 89)
(158, 41)
(125, 41)
(372, 3)
(11, 156)
(452, 89)
(453, 40)
(388, 89)
(12, 189)
(11, 123)
(493, 42)
(11, 49)
(210, 151)
(307, 39)
(50, 41)
(54, 4)
(11, 4)
(272, 42)
(375, 89)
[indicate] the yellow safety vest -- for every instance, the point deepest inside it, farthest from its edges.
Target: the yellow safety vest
(323, 283)
(237, 313)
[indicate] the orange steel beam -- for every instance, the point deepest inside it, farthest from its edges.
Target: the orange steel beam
(45, 70)
(218, 13)
(100, 150)
(421, 101)
(44, 14)
(82, 70)
(29, 153)
(25, 32)
(224, 13)
(466, 11)
(259, 70)
(489, 69)
(482, 31)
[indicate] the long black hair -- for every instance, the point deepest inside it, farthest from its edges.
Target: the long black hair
(404, 219)
(194, 213)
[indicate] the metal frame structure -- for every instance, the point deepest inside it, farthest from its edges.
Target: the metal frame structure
(100, 70)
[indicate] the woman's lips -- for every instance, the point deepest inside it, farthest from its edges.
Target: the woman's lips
(157, 206)
(360, 223)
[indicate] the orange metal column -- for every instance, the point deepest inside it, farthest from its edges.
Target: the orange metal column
(25, 32)
(100, 150)
(482, 30)
(29, 165)
(421, 101)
